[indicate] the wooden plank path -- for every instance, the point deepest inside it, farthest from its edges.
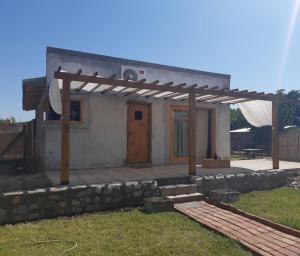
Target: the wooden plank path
(257, 237)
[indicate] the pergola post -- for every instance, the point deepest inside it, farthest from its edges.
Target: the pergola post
(275, 144)
(213, 133)
(192, 133)
(202, 93)
(65, 133)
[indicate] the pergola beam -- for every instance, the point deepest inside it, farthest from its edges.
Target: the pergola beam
(152, 84)
(142, 85)
(179, 85)
(171, 95)
(111, 88)
(98, 85)
(160, 92)
(181, 96)
(108, 89)
(166, 85)
(219, 99)
(133, 91)
(205, 97)
(84, 84)
(183, 91)
(234, 101)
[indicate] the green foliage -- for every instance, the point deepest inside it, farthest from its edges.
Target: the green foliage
(261, 136)
(288, 115)
(279, 205)
(237, 119)
(118, 233)
(10, 120)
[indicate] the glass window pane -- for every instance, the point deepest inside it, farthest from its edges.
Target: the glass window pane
(52, 115)
(180, 114)
(75, 110)
(138, 115)
(180, 135)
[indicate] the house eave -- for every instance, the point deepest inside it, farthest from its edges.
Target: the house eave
(32, 92)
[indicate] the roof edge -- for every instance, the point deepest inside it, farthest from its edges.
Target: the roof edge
(34, 81)
(131, 62)
(29, 100)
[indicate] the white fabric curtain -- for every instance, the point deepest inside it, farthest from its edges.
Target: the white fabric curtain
(257, 112)
(54, 95)
(180, 136)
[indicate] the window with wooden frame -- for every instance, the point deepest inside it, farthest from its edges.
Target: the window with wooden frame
(179, 129)
(76, 112)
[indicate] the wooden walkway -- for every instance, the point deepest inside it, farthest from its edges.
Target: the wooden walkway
(257, 237)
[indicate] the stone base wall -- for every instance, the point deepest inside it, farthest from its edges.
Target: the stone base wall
(242, 183)
(70, 200)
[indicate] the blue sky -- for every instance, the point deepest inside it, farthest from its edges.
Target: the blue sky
(243, 38)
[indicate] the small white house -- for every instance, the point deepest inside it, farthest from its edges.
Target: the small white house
(112, 126)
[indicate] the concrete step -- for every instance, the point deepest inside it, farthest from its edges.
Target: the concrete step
(184, 198)
(174, 180)
(178, 189)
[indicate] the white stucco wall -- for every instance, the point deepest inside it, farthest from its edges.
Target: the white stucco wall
(102, 139)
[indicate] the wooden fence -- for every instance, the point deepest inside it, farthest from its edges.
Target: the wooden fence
(17, 141)
(289, 145)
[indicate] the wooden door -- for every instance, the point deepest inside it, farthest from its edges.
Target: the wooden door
(139, 133)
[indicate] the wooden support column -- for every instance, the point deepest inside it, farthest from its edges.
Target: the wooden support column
(65, 133)
(192, 133)
(275, 134)
(213, 134)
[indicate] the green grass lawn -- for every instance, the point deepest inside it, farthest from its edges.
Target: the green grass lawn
(119, 233)
(278, 205)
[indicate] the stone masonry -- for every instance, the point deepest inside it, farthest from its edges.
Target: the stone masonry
(68, 200)
(242, 182)
(31, 205)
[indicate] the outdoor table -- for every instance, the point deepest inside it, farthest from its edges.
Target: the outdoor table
(250, 152)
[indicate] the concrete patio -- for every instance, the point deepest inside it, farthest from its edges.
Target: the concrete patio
(108, 175)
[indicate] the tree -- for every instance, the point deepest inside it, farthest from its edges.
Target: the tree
(288, 115)
(288, 112)
(10, 120)
(237, 119)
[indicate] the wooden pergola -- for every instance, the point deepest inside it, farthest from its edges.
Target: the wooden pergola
(193, 93)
